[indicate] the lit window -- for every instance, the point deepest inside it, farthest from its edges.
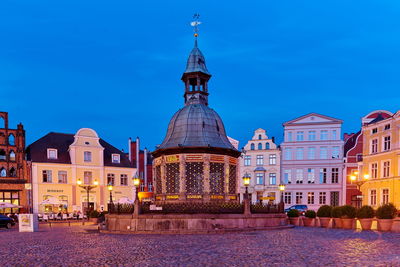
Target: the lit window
(87, 156)
(52, 153)
(110, 179)
(272, 159)
(12, 155)
(299, 197)
(310, 198)
(116, 158)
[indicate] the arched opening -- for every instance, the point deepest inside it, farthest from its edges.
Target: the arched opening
(259, 137)
(11, 140)
(252, 147)
(12, 155)
(13, 172)
(2, 122)
(3, 172)
(2, 154)
(266, 145)
(259, 146)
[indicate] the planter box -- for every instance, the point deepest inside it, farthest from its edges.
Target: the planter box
(385, 225)
(347, 223)
(308, 221)
(396, 225)
(337, 223)
(366, 223)
(324, 221)
(294, 221)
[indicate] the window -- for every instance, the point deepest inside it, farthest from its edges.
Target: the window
(335, 175)
(324, 135)
(259, 137)
(299, 153)
(299, 176)
(259, 178)
(150, 187)
(334, 135)
(386, 143)
(124, 179)
(260, 160)
(287, 175)
(322, 175)
(13, 172)
(267, 145)
(289, 137)
(310, 198)
(12, 155)
(52, 153)
(288, 153)
(374, 170)
(311, 153)
(259, 146)
(47, 176)
(300, 136)
(272, 159)
(385, 195)
(288, 198)
(335, 152)
(87, 156)
(334, 198)
(62, 177)
(2, 154)
(372, 197)
(323, 152)
(386, 169)
(247, 160)
(311, 136)
(322, 198)
(374, 146)
(310, 176)
(272, 178)
(11, 140)
(3, 172)
(110, 179)
(374, 131)
(387, 127)
(87, 177)
(115, 158)
(252, 147)
(299, 197)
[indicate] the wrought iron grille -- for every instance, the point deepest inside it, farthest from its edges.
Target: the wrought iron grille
(265, 208)
(194, 177)
(216, 178)
(120, 208)
(172, 178)
(232, 179)
(158, 180)
(196, 208)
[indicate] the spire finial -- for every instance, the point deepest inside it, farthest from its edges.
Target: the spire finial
(195, 24)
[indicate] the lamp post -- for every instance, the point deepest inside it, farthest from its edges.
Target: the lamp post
(355, 179)
(87, 188)
(282, 204)
(246, 201)
(136, 204)
(110, 205)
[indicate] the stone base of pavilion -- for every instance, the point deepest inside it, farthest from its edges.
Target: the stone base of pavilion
(192, 223)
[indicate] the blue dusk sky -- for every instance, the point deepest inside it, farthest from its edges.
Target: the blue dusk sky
(115, 66)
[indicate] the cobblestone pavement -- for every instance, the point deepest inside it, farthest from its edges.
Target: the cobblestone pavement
(75, 246)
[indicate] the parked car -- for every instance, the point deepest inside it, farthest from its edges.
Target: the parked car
(6, 221)
(301, 208)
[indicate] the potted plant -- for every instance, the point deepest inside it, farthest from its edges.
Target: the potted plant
(396, 224)
(324, 214)
(348, 215)
(385, 215)
(336, 214)
(309, 218)
(294, 217)
(365, 215)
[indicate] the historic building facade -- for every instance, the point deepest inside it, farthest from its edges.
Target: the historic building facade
(15, 184)
(60, 160)
(312, 161)
(381, 159)
(196, 161)
(261, 160)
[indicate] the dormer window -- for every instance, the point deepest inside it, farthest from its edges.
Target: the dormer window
(51, 153)
(87, 156)
(116, 158)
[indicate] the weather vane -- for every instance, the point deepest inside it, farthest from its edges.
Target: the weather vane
(195, 23)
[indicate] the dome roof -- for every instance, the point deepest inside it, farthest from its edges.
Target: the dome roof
(196, 125)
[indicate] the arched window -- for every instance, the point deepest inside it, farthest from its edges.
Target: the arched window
(259, 137)
(252, 147)
(2, 154)
(11, 140)
(259, 146)
(13, 172)
(266, 145)
(2, 122)
(3, 172)
(12, 155)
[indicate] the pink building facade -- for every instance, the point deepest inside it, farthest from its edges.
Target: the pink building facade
(312, 161)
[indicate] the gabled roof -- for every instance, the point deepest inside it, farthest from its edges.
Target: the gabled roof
(379, 118)
(37, 151)
(350, 143)
(329, 119)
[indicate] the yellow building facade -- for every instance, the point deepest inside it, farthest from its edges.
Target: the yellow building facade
(60, 162)
(381, 160)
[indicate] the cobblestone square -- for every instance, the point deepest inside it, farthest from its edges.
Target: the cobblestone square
(83, 246)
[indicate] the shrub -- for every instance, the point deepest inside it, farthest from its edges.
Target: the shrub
(94, 214)
(293, 213)
(310, 214)
(365, 212)
(348, 212)
(324, 211)
(386, 211)
(336, 212)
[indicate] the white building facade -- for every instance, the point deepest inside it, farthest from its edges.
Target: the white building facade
(312, 161)
(261, 161)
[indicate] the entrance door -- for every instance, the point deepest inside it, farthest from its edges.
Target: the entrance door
(85, 209)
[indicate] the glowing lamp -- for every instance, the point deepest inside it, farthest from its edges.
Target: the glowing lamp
(96, 182)
(110, 187)
(246, 179)
(282, 187)
(136, 182)
(353, 177)
(79, 182)
(366, 176)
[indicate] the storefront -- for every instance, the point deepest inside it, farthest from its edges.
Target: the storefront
(13, 197)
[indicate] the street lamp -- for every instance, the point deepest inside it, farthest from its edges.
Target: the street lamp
(87, 188)
(281, 188)
(246, 182)
(136, 183)
(110, 188)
